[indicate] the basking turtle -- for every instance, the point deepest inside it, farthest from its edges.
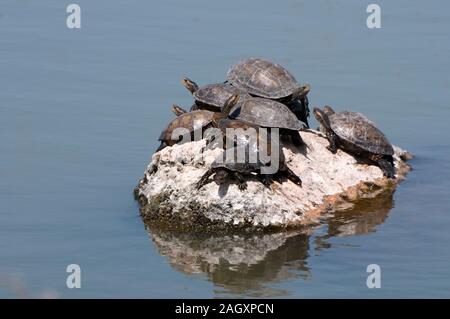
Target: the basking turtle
(224, 167)
(266, 79)
(354, 133)
(241, 133)
(222, 170)
(270, 114)
(194, 121)
(222, 125)
(211, 97)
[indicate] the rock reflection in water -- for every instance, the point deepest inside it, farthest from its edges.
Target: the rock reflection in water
(239, 263)
(249, 263)
(362, 218)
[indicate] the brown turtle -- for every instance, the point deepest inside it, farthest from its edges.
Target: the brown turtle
(192, 122)
(225, 167)
(241, 133)
(211, 97)
(270, 114)
(357, 135)
(266, 113)
(269, 80)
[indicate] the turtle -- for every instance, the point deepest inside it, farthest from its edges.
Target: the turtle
(263, 113)
(357, 135)
(263, 78)
(223, 168)
(211, 97)
(241, 134)
(271, 114)
(222, 124)
(194, 121)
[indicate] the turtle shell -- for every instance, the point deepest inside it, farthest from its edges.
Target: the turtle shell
(246, 167)
(240, 139)
(192, 121)
(266, 113)
(356, 129)
(357, 115)
(215, 95)
(249, 146)
(262, 78)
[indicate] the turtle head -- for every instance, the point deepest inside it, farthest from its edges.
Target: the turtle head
(221, 176)
(322, 118)
(190, 85)
(229, 104)
(301, 92)
(177, 110)
(328, 110)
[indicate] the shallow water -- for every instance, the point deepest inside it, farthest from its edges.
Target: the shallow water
(80, 112)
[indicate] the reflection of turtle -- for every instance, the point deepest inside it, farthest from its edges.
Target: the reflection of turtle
(354, 133)
(266, 79)
(211, 97)
(223, 167)
(193, 121)
(271, 114)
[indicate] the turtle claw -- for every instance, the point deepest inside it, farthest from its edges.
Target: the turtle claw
(206, 148)
(242, 186)
(332, 149)
(296, 181)
(387, 167)
(209, 146)
(266, 180)
(204, 179)
(198, 185)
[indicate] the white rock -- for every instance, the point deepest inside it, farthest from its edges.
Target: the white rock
(168, 195)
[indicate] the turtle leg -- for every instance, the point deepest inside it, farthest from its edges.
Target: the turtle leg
(300, 115)
(204, 179)
(266, 179)
(386, 165)
(305, 104)
(293, 177)
(334, 142)
(194, 107)
(209, 144)
(296, 139)
(305, 120)
(242, 184)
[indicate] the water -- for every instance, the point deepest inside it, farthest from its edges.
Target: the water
(80, 111)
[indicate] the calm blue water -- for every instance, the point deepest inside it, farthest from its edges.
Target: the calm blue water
(80, 112)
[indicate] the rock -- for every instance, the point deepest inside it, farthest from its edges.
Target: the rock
(168, 196)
